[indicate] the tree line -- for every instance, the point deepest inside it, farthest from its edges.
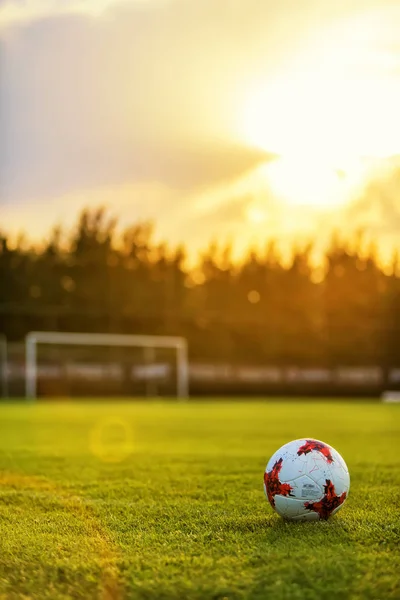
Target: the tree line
(258, 310)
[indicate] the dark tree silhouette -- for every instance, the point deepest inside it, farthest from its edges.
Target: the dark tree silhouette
(258, 310)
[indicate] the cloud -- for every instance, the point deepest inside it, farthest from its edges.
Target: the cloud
(142, 95)
(219, 211)
(21, 12)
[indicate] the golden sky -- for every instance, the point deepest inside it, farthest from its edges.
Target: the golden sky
(216, 118)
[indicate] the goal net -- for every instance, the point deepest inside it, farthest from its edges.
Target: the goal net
(83, 364)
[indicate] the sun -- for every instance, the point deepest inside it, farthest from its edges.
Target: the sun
(315, 163)
(326, 115)
(307, 181)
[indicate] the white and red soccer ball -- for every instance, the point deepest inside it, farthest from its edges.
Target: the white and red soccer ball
(306, 480)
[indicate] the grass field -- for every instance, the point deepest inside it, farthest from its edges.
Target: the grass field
(164, 501)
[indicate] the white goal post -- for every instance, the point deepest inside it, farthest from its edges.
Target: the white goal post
(147, 342)
(4, 365)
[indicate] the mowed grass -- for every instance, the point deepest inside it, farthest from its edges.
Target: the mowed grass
(154, 500)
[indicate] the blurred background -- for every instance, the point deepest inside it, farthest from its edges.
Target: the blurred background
(227, 172)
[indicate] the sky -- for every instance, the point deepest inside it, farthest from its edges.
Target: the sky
(225, 120)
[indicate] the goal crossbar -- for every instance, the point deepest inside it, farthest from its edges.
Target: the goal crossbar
(107, 339)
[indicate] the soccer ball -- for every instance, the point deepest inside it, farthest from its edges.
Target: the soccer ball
(306, 480)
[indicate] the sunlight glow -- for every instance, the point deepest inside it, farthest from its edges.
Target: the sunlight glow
(332, 108)
(308, 181)
(256, 215)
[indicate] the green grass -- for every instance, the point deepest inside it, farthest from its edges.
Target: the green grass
(170, 505)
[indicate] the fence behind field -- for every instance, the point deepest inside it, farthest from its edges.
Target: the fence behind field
(90, 372)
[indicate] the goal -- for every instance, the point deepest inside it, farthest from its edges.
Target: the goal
(3, 366)
(85, 348)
